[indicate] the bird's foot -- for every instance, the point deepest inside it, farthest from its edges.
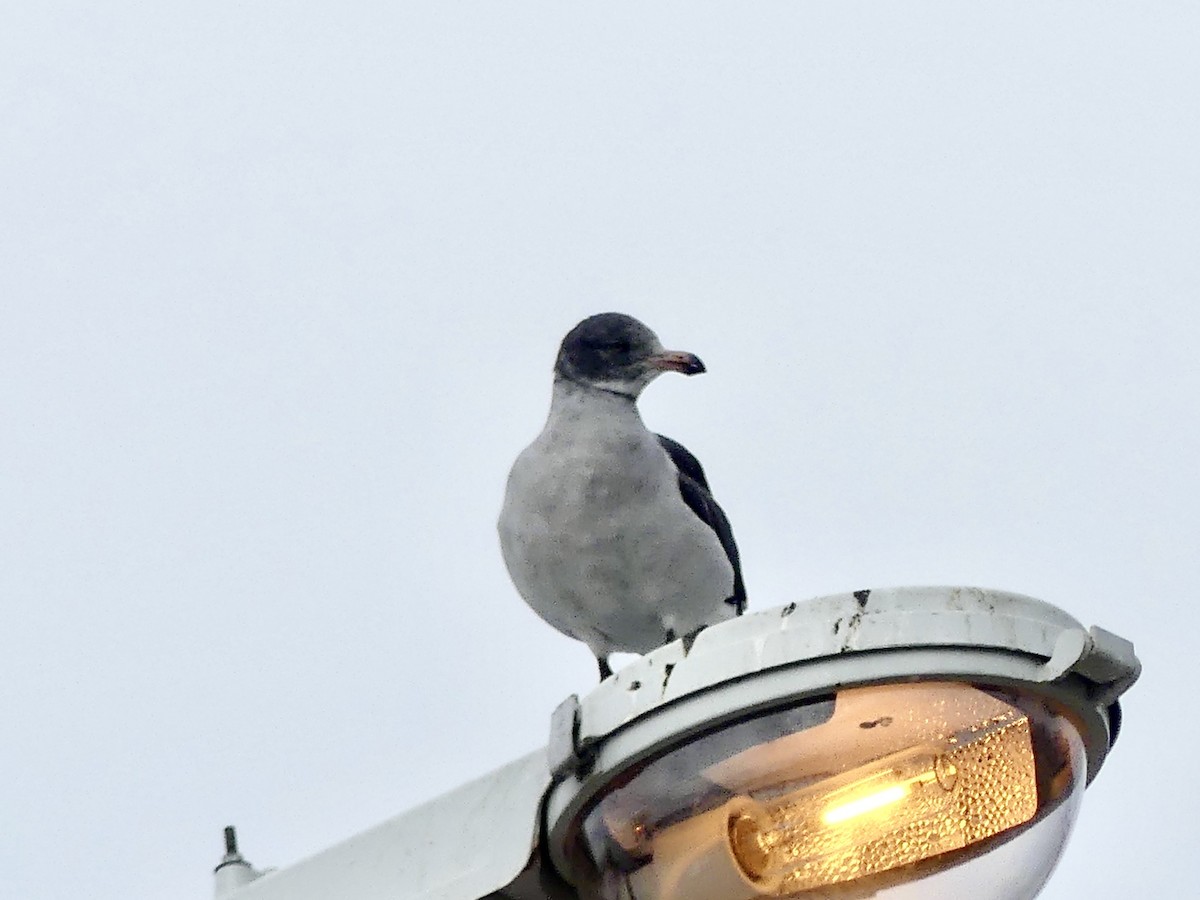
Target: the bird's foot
(688, 639)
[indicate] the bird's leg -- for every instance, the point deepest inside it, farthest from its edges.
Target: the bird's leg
(605, 671)
(690, 638)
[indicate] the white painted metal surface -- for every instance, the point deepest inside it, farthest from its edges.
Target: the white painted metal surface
(468, 843)
(833, 626)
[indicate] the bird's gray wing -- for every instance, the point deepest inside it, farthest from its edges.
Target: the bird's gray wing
(693, 487)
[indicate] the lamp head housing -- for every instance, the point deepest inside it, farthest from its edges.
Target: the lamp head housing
(891, 744)
(901, 744)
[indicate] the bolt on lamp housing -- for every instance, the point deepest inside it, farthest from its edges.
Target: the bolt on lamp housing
(889, 744)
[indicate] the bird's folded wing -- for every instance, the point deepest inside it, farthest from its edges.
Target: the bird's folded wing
(693, 487)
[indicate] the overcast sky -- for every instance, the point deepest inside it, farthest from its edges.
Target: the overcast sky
(280, 289)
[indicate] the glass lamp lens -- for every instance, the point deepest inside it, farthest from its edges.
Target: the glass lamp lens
(849, 796)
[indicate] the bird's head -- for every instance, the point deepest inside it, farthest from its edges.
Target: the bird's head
(617, 353)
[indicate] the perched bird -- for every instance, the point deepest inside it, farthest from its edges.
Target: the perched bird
(609, 531)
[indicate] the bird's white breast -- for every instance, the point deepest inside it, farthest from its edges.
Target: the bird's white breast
(597, 537)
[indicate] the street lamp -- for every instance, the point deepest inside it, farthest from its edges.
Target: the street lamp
(892, 744)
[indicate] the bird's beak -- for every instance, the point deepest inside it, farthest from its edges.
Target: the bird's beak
(677, 361)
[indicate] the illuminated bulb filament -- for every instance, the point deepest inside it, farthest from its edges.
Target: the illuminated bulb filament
(874, 800)
(863, 805)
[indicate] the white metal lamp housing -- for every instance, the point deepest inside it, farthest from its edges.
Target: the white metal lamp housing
(904, 743)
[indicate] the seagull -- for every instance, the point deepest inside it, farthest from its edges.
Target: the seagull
(610, 531)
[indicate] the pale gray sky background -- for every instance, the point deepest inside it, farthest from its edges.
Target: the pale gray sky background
(280, 289)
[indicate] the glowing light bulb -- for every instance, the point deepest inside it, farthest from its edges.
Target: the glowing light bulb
(897, 810)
